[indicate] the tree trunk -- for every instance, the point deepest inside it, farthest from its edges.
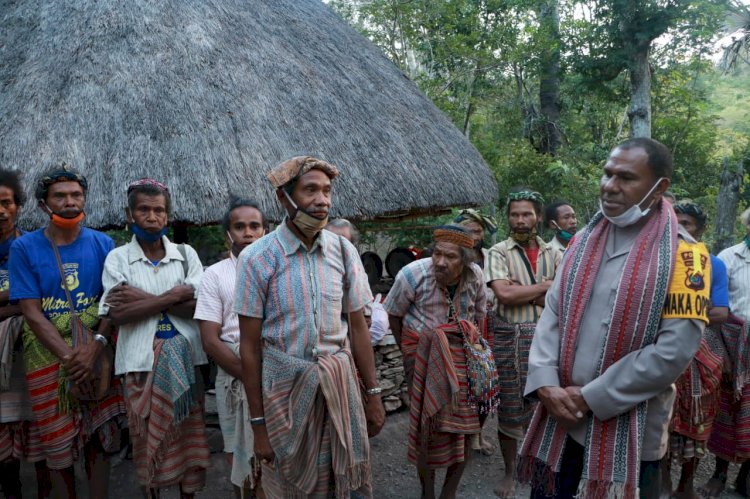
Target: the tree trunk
(549, 82)
(726, 206)
(640, 92)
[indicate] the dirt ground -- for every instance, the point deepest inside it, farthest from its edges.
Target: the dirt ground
(394, 477)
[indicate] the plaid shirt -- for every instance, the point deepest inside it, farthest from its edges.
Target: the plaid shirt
(507, 262)
(300, 293)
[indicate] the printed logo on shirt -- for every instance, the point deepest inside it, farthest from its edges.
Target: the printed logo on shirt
(71, 275)
(689, 289)
(4, 281)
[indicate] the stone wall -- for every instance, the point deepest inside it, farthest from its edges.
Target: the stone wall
(390, 369)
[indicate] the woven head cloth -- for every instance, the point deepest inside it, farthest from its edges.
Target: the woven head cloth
(532, 196)
(147, 181)
(473, 215)
(63, 174)
(294, 168)
(687, 207)
(453, 234)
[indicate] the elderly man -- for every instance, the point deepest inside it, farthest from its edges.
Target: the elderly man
(730, 440)
(697, 400)
(622, 321)
(63, 427)
(428, 299)
(150, 286)
(561, 218)
(299, 353)
(243, 224)
(520, 271)
(15, 410)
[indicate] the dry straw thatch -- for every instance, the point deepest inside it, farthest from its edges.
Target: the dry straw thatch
(207, 95)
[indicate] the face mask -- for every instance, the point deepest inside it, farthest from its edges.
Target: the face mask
(147, 237)
(632, 214)
(306, 223)
(747, 241)
(64, 222)
(563, 235)
(523, 238)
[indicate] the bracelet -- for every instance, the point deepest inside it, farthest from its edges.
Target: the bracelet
(257, 421)
(101, 339)
(374, 391)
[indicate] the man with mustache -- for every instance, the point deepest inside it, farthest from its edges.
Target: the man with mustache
(561, 218)
(298, 354)
(622, 320)
(520, 271)
(63, 427)
(428, 298)
(243, 224)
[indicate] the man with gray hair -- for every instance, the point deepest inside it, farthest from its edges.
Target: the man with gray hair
(345, 229)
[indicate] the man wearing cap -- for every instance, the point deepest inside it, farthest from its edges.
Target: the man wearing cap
(428, 299)
(520, 271)
(63, 427)
(149, 291)
(299, 354)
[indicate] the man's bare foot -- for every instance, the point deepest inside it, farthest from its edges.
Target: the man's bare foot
(487, 447)
(713, 488)
(506, 489)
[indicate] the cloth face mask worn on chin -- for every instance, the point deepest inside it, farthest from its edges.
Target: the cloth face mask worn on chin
(563, 235)
(147, 237)
(306, 223)
(632, 214)
(523, 238)
(64, 222)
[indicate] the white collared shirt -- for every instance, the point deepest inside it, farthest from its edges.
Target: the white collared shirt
(128, 264)
(737, 260)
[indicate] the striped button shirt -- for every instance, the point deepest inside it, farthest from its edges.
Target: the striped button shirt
(216, 298)
(300, 293)
(737, 260)
(423, 303)
(508, 262)
(128, 264)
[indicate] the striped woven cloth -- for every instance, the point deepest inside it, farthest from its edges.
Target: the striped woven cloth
(165, 414)
(316, 424)
(511, 350)
(439, 413)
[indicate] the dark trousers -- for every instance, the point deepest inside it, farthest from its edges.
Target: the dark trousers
(571, 469)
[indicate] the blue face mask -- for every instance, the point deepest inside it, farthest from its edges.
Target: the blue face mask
(747, 241)
(148, 237)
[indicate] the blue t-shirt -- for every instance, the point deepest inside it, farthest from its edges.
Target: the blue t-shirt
(4, 257)
(719, 283)
(34, 273)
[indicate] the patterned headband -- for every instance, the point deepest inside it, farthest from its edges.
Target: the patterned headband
(532, 196)
(64, 174)
(453, 234)
(147, 181)
(687, 207)
(473, 215)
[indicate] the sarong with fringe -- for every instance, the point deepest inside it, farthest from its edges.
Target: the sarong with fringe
(165, 415)
(511, 351)
(15, 407)
(697, 398)
(316, 425)
(440, 416)
(61, 424)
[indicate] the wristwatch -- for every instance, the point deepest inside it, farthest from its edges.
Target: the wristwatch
(101, 339)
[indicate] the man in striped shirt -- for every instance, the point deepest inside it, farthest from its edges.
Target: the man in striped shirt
(520, 271)
(243, 224)
(298, 353)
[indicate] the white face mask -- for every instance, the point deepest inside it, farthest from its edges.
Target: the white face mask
(632, 214)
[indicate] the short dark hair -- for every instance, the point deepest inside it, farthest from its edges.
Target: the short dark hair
(148, 190)
(538, 206)
(550, 212)
(238, 202)
(12, 180)
(687, 207)
(659, 155)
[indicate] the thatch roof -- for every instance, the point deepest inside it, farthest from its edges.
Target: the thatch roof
(207, 95)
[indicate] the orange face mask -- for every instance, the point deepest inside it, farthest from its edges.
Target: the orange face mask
(67, 223)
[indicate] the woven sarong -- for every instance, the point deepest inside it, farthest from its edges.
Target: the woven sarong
(512, 345)
(316, 423)
(61, 424)
(612, 448)
(439, 413)
(165, 415)
(15, 407)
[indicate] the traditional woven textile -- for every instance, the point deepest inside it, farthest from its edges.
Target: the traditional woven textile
(15, 407)
(440, 416)
(10, 329)
(735, 334)
(303, 402)
(730, 436)
(165, 415)
(511, 348)
(612, 447)
(61, 424)
(697, 396)
(243, 472)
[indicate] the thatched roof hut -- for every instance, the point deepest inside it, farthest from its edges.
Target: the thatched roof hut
(206, 95)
